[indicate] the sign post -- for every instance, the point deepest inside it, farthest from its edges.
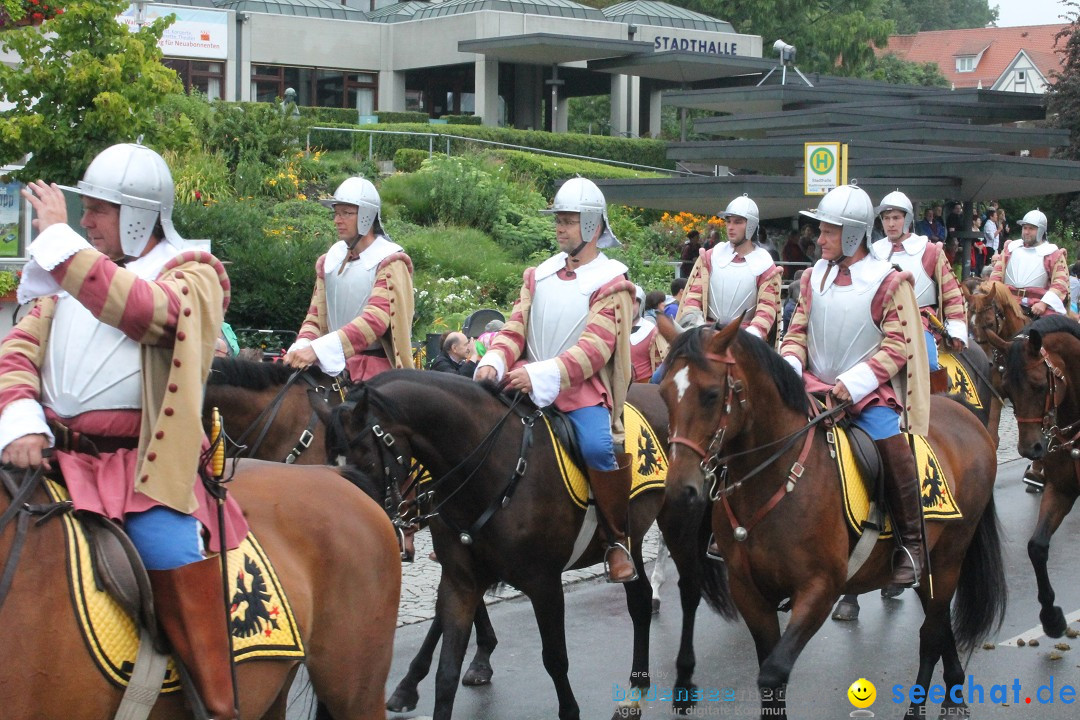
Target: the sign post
(824, 167)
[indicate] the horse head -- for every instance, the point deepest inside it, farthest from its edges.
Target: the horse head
(1036, 379)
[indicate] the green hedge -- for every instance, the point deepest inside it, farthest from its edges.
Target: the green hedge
(391, 116)
(462, 119)
(409, 160)
(546, 172)
(321, 115)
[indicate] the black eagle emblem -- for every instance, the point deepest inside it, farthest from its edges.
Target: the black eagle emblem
(649, 459)
(932, 495)
(250, 612)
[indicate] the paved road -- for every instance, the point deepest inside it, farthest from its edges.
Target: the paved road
(598, 633)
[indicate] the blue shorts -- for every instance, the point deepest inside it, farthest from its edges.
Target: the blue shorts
(166, 539)
(592, 425)
(879, 422)
(931, 351)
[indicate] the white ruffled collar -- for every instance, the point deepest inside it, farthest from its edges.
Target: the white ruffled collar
(591, 276)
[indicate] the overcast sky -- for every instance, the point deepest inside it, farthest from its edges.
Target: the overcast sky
(1029, 12)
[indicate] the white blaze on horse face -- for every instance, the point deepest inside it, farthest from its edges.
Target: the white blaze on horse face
(682, 381)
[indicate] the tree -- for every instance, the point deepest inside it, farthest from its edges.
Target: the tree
(892, 69)
(1064, 104)
(85, 82)
(912, 16)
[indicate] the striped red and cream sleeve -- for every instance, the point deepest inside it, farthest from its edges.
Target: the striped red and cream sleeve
(952, 299)
(694, 290)
(509, 344)
(794, 344)
(1058, 271)
(1000, 261)
(374, 319)
(768, 301)
(314, 325)
(892, 356)
(21, 356)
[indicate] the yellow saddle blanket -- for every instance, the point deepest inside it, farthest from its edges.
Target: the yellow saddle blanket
(648, 458)
(963, 384)
(262, 622)
(937, 498)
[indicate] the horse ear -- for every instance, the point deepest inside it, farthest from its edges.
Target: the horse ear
(996, 340)
(1034, 343)
(319, 406)
(667, 327)
(720, 342)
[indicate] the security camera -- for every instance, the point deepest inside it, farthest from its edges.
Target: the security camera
(786, 52)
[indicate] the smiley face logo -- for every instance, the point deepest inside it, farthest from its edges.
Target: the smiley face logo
(862, 693)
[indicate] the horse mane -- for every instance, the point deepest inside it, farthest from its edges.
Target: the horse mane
(248, 374)
(1046, 325)
(999, 294)
(691, 345)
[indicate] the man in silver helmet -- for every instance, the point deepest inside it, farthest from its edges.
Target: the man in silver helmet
(1036, 271)
(109, 370)
(936, 288)
(567, 344)
(735, 277)
(360, 317)
(856, 334)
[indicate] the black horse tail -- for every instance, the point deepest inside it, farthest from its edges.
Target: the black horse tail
(981, 593)
(714, 577)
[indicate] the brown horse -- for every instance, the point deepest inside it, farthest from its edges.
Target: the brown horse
(335, 555)
(780, 527)
(498, 511)
(266, 409)
(993, 309)
(1042, 379)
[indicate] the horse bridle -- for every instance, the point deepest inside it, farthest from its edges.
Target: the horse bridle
(1057, 438)
(270, 414)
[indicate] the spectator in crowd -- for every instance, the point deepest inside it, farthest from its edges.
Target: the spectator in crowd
(931, 227)
(671, 306)
(954, 221)
(689, 253)
(1003, 229)
(655, 302)
(792, 253)
(1074, 287)
(990, 231)
(712, 240)
(647, 346)
(792, 298)
(490, 331)
(979, 256)
(458, 355)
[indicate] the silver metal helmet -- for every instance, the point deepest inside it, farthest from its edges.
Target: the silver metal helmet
(639, 295)
(1038, 219)
(360, 192)
(744, 207)
(849, 207)
(582, 196)
(897, 200)
(137, 179)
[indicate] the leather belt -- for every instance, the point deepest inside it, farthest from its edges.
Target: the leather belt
(1032, 293)
(376, 351)
(68, 440)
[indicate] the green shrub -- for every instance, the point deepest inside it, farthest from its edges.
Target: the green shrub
(254, 131)
(393, 116)
(320, 115)
(199, 177)
(333, 140)
(462, 119)
(648, 270)
(547, 172)
(409, 160)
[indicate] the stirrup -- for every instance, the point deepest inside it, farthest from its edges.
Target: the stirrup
(915, 570)
(607, 567)
(716, 556)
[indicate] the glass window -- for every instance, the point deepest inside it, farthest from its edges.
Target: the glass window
(206, 77)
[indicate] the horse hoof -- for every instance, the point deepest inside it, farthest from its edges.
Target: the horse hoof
(656, 606)
(479, 673)
(891, 591)
(402, 701)
(1053, 622)
(846, 612)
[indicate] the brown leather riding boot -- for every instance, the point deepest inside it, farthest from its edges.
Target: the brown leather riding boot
(611, 488)
(939, 381)
(903, 495)
(191, 609)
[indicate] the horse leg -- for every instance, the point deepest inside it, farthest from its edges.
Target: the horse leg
(455, 608)
(656, 580)
(1052, 510)
(479, 672)
(407, 694)
(764, 626)
(548, 607)
(953, 674)
(638, 604)
(687, 553)
(934, 635)
(847, 609)
(810, 608)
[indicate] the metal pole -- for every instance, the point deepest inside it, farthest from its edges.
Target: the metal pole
(370, 145)
(430, 146)
(447, 147)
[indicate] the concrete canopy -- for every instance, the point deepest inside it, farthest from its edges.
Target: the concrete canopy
(682, 66)
(550, 49)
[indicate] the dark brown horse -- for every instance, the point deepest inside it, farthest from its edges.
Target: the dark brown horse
(336, 557)
(993, 309)
(733, 401)
(266, 409)
(1042, 379)
(489, 523)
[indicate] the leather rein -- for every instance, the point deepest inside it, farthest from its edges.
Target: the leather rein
(1058, 439)
(714, 465)
(21, 510)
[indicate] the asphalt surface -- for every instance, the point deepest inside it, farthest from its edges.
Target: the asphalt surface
(881, 647)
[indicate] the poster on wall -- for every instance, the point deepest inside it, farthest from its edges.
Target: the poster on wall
(10, 212)
(196, 33)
